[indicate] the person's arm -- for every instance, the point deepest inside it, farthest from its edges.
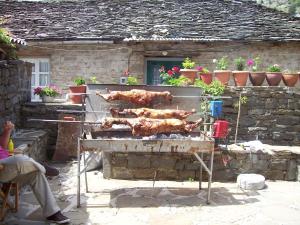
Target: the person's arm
(4, 138)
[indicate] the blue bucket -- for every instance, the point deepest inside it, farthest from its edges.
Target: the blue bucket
(216, 108)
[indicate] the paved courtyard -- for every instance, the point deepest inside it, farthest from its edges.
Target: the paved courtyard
(113, 202)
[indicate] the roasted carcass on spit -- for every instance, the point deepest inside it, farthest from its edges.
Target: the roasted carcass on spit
(152, 113)
(136, 96)
(146, 127)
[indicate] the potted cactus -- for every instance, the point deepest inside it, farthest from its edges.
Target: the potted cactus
(77, 90)
(239, 75)
(274, 75)
(221, 73)
(188, 70)
(256, 77)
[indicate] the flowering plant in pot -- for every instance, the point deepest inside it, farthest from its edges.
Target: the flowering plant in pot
(240, 76)
(222, 73)
(290, 78)
(257, 77)
(168, 76)
(188, 70)
(47, 93)
(273, 75)
(205, 75)
(77, 90)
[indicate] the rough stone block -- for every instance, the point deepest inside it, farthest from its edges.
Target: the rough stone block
(292, 170)
(121, 173)
(277, 164)
(275, 174)
(165, 163)
(138, 161)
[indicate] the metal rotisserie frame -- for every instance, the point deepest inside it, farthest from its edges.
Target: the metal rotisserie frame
(120, 139)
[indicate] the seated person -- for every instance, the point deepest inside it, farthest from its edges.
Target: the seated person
(24, 170)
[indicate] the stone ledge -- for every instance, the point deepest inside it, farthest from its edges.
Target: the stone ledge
(36, 140)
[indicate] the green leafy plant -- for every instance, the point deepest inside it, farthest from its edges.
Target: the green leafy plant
(188, 63)
(180, 81)
(253, 64)
(6, 46)
(79, 81)
(131, 81)
(222, 63)
(240, 63)
(202, 70)
(215, 88)
(167, 76)
(51, 91)
(93, 80)
(243, 100)
(274, 68)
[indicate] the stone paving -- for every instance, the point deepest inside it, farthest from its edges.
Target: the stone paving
(113, 202)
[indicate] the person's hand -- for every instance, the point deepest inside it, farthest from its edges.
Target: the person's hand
(8, 126)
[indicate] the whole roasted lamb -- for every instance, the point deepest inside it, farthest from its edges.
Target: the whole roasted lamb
(146, 127)
(136, 96)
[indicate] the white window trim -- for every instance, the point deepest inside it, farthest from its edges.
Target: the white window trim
(36, 61)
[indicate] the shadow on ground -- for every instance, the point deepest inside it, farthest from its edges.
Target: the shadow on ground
(177, 197)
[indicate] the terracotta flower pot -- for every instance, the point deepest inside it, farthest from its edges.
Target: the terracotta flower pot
(77, 99)
(257, 78)
(290, 79)
(223, 76)
(240, 77)
(206, 77)
(273, 78)
(189, 73)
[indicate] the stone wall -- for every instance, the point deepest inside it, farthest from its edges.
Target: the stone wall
(271, 114)
(47, 111)
(108, 61)
(15, 76)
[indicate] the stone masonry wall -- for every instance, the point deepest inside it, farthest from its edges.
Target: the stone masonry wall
(108, 61)
(47, 111)
(15, 76)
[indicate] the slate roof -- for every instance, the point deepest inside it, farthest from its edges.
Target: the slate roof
(148, 20)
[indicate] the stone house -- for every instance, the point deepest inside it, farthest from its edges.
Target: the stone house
(104, 38)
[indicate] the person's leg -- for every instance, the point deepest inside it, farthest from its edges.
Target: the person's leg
(41, 189)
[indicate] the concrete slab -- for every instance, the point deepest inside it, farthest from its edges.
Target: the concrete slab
(114, 202)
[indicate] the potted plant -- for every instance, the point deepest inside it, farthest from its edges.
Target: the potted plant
(256, 77)
(215, 89)
(274, 75)
(290, 78)
(48, 93)
(188, 70)
(221, 72)
(168, 76)
(204, 74)
(77, 90)
(239, 75)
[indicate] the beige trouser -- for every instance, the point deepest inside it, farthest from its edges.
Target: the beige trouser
(24, 170)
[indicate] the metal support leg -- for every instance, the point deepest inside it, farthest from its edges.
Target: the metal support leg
(210, 176)
(200, 175)
(78, 173)
(85, 174)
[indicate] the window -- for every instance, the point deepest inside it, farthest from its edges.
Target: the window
(40, 74)
(153, 66)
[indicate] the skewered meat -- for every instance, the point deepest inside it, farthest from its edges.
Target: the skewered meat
(153, 113)
(146, 127)
(136, 96)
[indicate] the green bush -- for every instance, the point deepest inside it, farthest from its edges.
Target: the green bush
(79, 81)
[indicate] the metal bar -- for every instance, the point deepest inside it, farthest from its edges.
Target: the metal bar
(210, 176)
(78, 173)
(200, 175)
(64, 121)
(85, 174)
(203, 164)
